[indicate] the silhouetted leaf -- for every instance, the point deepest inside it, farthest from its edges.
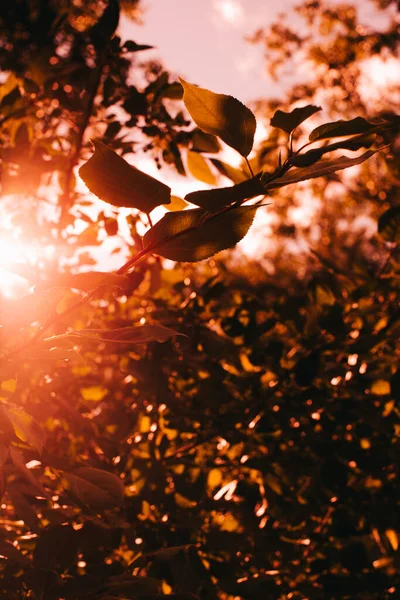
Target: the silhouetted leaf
(291, 120)
(199, 168)
(115, 181)
(389, 225)
(235, 175)
(24, 509)
(318, 170)
(342, 128)
(131, 46)
(311, 157)
(215, 199)
(190, 235)
(95, 488)
(221, 115)
(56, 547)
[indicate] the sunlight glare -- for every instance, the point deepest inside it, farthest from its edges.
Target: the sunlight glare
(231, 11)
(12, 252)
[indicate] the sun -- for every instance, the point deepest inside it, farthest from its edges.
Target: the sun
(14, 253)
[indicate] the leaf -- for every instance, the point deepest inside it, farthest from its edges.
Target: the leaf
(95, 488)
(176, 204)
(84, 281)
(94, 393)
(221, 115)
(12, 553)
(141, 334)
(199, 168)
(215, 199)
(380, 387)
(291, 120)
(115, 181)
(138, 586)
(342, 128)
(318, 170)
(389, 225)
(19, 462)
(56, 547)
(235, 175)
(190, 236)
(26, 428)
(311, 157)
(204, 142)
(24, 510)
(131, 46)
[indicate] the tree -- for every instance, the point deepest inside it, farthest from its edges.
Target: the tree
(216, 462)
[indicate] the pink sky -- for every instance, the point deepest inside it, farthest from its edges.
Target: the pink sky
(203, 40)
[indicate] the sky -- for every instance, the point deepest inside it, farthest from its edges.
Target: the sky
(204, 40)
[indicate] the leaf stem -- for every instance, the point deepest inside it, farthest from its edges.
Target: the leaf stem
(249, 166)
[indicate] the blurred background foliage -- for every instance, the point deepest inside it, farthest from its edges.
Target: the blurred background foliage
(258, 454)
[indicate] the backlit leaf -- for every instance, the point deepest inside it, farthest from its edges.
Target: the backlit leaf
(380, 387)
(289, 121)
(191, 236)
(176, 204)
(141, 334)
(221, 115)
(26, 428)
(115, 181)
(199, 168)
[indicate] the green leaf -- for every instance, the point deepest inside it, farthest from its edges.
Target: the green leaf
(342, 128)
(84, 281)
(291, 120)
(235, 175)
(192, 235)
(318, 170)
(215, 199)
(115, 181)
(26, 428)
(199, 168)
(95, 488)
(221, 115)
(389, 225)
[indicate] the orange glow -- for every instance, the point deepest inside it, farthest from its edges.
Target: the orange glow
(14, 252)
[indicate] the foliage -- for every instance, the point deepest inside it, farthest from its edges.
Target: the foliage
(186, 431)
